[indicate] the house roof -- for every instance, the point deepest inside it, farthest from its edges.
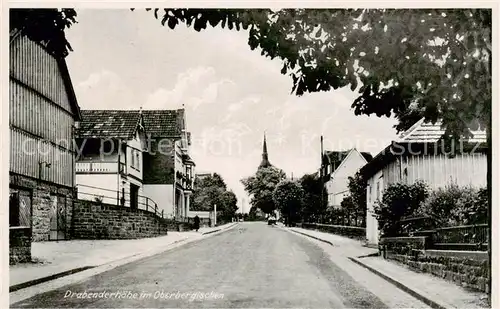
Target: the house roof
(424, 132)
(108, 123)
(123, 123)
(163, 123)
(420, 134)
(335, 158)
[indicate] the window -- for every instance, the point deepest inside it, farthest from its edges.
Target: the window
(20, 208)
(133, 158)
(138, 160)
(369, 194)
(378, 190)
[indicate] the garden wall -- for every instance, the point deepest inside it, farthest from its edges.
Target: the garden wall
(94, 220)
(347, 231)
(466, 268)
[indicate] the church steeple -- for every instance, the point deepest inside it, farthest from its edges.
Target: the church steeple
(265, 159)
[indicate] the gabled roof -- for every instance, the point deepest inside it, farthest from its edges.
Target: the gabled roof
(163, 123)
(422, 132)
(336, 158)
(108, 124)
(123, 123)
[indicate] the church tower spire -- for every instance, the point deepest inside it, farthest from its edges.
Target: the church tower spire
(265, 159)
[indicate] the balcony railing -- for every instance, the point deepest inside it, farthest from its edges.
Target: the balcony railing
(184, 181)
(98, 167)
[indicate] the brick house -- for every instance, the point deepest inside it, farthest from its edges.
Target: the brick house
(111, 144)
(420, 154)
(168, 168)
(43, 112)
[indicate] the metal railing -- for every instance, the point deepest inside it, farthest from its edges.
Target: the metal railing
(114, 197)
(465, 236)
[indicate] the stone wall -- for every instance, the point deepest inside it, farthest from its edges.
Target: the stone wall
(19, 245)
(41, 203)
(104, 221)
(467, 269)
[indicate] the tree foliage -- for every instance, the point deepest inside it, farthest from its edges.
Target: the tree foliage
(210, 191)
(45, 26)
(409, 63)
(313, 206)
(288, 198)
(354, 205)
(261, 186)
(399, 200)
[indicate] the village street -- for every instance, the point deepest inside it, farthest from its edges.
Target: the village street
(251, 265)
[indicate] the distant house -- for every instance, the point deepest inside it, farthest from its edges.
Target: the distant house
(206, 217)
(110, 162)
(201, 176)
(338, 166)
(42, 114)
(168, 168)
(421, 154)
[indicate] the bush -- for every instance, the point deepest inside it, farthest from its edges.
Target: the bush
(398, 201)
(454, 205)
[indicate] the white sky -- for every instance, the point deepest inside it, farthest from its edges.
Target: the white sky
(125, 60)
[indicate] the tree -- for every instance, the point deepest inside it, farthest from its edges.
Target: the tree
(261, 186)
(228, 206)
(357, 193)
(209, 191)
(288, 196)
(313, 208)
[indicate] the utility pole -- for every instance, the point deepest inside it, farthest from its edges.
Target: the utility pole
(321, 175)
(215, 215)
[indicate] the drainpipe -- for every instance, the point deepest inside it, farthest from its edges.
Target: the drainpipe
(118, 176)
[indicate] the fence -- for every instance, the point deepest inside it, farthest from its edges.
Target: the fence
(349, 231)
(463, 237)
(113, 197)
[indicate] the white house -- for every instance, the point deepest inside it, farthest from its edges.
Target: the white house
(338, 167)
(420, 154)
(109, 166)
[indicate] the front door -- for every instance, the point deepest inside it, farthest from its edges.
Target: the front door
(57, 217)
(134, 196)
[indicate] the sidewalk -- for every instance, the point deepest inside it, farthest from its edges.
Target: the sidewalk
(434, 291)
(54, 259)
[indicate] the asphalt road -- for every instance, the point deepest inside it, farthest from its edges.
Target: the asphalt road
(250, 266)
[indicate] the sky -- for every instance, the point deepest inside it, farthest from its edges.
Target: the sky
(126, 59)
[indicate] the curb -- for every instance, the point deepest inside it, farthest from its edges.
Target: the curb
(317, 238)
(413, 292)
(69, 272)
(33, 282)
(221, 229)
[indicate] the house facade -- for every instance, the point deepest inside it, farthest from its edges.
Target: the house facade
(421, 154)
(338, 166)
(111, 145)
(43, 111)
(168, 168)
